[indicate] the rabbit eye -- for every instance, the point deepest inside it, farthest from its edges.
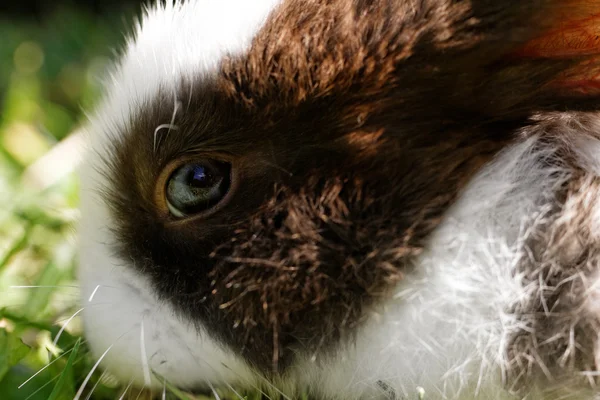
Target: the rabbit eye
(197, 187)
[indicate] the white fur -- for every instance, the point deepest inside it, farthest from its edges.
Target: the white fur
(173, 44)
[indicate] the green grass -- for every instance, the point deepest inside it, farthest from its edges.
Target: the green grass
(48, 76)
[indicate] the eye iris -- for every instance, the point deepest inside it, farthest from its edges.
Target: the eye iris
(198, 186)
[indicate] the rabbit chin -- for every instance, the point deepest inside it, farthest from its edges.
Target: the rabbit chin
(447, 330)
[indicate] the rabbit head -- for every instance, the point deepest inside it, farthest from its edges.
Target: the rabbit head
(353, 198)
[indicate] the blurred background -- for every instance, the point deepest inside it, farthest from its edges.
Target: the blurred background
(52, 56)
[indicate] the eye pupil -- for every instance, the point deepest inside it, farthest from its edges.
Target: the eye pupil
(197, 186)
(198, 177)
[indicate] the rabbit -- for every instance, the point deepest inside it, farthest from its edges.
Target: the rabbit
(350, 199)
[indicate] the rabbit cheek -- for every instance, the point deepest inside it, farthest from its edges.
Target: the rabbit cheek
(293, 268)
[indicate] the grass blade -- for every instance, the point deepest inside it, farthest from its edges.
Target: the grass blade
(65, 373)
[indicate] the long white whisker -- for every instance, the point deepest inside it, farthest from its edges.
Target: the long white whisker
(190, 96)
(58, 321)
(144, 355)
(234, 391)
(62, 329)
(89, 375)
(43, 368)
(42, 387)
(214, 391)
(89, 396)
(176, 108)
(43, 286)
(126, 389)
(139, 394)
(46, 366)
(93, 293)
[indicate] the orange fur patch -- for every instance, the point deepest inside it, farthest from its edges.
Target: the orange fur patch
(576, 34)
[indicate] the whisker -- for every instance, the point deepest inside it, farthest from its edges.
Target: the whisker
(164, 391)
(95, 366)
(144, 355)
(190, 96)
(43, 286)
(234, 391)
(43, 368)
(62, 329)
(213, 390)
(58, 321)
(89, 375)
(93, 293)
(42, 387)
(89, 396)
(139, 394)
(126, 389)
(55, 378)
(176, 107)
